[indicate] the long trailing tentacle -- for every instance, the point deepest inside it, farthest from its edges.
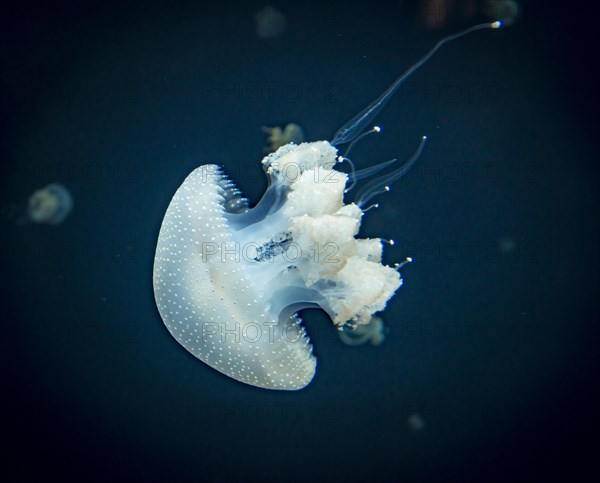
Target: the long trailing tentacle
(349, 131)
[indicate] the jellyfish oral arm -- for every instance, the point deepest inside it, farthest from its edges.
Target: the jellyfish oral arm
(349, 131)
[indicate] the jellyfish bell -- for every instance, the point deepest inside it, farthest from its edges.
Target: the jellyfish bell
(50, 205)
(229, 280)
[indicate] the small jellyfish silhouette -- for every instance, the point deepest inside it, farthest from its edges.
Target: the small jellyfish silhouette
(373, 332)
(437, 14)
(506, 10)
(292, 133)
(50, 205)
(507, 244)
(415, 422)
(270, 23)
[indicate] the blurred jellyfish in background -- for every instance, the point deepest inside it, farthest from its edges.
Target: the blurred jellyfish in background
(50, 205)
(506, 10)
(270, 23)
(373, 332)
(292, 133)
(436, 14)
(507, 245)
(415, 422)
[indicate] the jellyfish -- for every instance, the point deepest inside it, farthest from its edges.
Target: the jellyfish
(229, 279)
(50, 205)
(292, 133)
(269, 23)
(373, 332)
(507, 244)
(415, 422)
(506, 10)
(437, 13)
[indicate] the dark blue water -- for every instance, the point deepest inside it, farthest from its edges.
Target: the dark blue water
(491, 349)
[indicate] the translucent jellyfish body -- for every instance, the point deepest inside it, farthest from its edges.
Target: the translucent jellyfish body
(229, 280)
(50, 205)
